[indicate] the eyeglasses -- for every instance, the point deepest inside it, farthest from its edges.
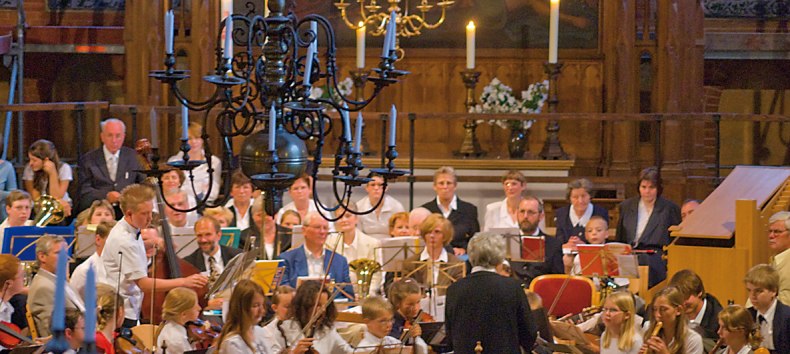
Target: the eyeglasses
(610, 310)
(323, 228)
(776, 232)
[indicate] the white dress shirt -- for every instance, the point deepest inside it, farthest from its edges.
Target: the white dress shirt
(236, 345)
(315, 265)
(378, 225)
(497, 216)
(453, 206)
(132, 261)
(79, 276)
(767, 326)
(642, 217)
(370, 342)
(175, 336)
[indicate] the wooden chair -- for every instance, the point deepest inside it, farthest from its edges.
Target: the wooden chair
(31, 324)
(146, 333)
(575, 293)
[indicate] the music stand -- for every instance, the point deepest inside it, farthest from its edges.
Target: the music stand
(521, 248)
(607, 260)
(233, 272)
(230, 237)
(394, 251)
(434, 333)
(268, 274)
(21, 240)
(385, 349)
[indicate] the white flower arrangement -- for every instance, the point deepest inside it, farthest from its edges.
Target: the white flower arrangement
(344, 88)
(498, 98)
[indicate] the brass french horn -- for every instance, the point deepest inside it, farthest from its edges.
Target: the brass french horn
(48, 211)
(364, 268)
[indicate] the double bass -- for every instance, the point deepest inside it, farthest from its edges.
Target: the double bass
(166, 264)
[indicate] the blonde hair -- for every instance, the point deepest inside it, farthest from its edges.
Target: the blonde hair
(675, 298)
(279, 292)
(219, 211)
(437, 220)
(374, 307)
(177, 301)
(104, 228)
(134, 195)
(625, 303)
(735, 317)
(401, 289)
(764, 276)
(108, 302)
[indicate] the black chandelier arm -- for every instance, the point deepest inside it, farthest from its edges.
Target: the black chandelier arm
(194, 105)
(226, 122)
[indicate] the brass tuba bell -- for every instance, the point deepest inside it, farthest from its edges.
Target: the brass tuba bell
(364, 268)
(48, 211)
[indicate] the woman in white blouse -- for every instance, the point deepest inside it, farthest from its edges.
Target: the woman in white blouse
(241, 333)
(503, 214)
(323, 336)
(200, 173)
(180, 306)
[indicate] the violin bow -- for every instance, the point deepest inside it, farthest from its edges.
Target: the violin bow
(315, 315)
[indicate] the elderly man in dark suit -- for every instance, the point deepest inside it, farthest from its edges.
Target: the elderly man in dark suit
(461, 214)
(488, 307)
(104, 172)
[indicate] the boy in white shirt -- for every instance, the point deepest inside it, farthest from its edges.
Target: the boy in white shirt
(377, 314)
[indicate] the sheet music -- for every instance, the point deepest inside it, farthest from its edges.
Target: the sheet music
(395, 250)
(628, 266)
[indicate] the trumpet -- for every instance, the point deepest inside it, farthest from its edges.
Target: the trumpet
(365, 269)
(48, 211)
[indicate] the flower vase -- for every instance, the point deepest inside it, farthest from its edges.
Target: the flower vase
(518, 144)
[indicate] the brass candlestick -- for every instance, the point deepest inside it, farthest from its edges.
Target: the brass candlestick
(470, 147)
(552, 149)
(359, 76)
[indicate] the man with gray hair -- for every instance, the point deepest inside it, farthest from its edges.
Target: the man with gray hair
(486, 306)
(779, 242)
(104, 172)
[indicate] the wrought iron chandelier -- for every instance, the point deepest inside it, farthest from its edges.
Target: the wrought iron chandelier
(271, 90)
(411, 21)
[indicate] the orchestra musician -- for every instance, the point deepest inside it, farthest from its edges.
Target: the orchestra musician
(675, 335)
(739, 334)
(79, 276)
(377, 314)
(620, 335)
(240, 333)
(281, 303)
(276, 239)
(310, 325)
(18, 206)
(530, 213)
(180, 306)
(210, 257)
(405, 296)
(109, 316)
(437, 232)
(75, 329)
(124, 256)
(12, 278)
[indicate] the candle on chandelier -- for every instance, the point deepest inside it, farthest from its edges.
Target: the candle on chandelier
(311, 50)
(228, 49)
(389, 36)
(169, 22)
(90, 306)
(361, 45)
(393, 116)
(154, 122)
(184, 122)
(346, 123)
(470, 45)
(554, 24)
(272, 125)
(393, 30)
(59, 308)
(358, 134)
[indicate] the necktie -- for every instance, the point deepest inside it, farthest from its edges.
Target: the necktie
(112, 167)
(760, 319)
(212, 268)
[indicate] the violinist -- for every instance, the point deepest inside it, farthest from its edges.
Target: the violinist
(310, 326)
(281, 303)
(75, 329)
(12, 302)
(240, 333)
(180, 307)
(109, 316)
(124, 256)
(405, 296)
(377, 314)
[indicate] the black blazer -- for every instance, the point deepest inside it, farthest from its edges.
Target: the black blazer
(565, 229)
(710, 319)
(781, 327)
(656, 234)
(199, 261)
(464, 220)
(94, 178)
(283, 233)
(473, 302)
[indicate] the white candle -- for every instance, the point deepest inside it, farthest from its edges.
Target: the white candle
(226, 8)
(311, 49)
(393, 29)
(470, 45)
(184, 123)
(358, 134)
(393, 116)
(154, 134)
(346, 123)
(265, 8)
(228, 49)
(272, 125)
(389, 36)
(361, 45)
(554, 24)
(169, 23)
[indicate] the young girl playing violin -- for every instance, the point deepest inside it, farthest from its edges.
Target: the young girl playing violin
(281, 302)
(180, 306)
(109, 316)
(310, 327)
(620, 336)
(737, 331)
(405, 296)
(240, 333)
(674, 336)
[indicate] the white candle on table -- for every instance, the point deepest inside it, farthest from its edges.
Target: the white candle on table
(358, 134)
(184, 122)
(228, 50)
(311, 49)
(272, 125)
(361, 45)
(470, 45)
(554, 24)
(169, 21)
(346, 123)
(393, 116)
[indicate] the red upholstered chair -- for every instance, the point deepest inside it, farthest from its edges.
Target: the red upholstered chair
(577, 294)
(5, 44)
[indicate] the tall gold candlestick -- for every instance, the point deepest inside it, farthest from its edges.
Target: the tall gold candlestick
(470, 147)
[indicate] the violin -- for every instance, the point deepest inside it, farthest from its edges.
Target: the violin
(202, 334)
(128, 343)
(11, 335)
(421, 317)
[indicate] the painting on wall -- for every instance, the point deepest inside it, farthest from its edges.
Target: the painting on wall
(500, 24)
(115, 5)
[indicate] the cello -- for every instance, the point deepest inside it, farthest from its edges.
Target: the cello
(165, 265)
